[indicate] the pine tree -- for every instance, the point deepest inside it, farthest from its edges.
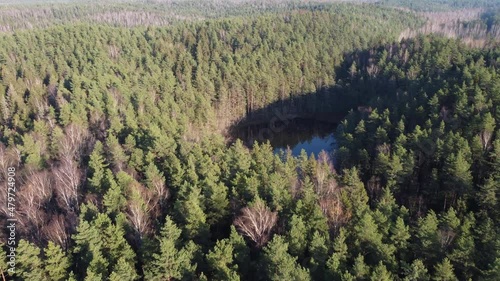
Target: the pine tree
(296, 235)
(172, 261)
(494, 270)
(319, 253)
(448, 228)
(279, 264)
(57, 264)
(360, 269)
(368, 238)
(118, 250)
(400, 234)
(98, 266)
(488, 195)
(217, 202)
(309, 210)
(464, 250)
(241, 251)
(100, 244)
(358, 199)
(428, 245)
(114, 200)
(97, 169)
(444, 271)
(336, 264)
(416, 271)
(29, 265)
(459, 177)
(193, 215)
(380, 273)
(123, 271)
(220, 261)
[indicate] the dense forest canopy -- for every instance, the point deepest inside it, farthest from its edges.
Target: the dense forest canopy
(15, 15)
(29, 15)
(124, 168)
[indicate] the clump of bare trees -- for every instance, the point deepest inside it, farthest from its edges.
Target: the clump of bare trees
(464, 24)
(37, 190)
(67, 179)
(67, 174)
(256, 222)
(329, 192)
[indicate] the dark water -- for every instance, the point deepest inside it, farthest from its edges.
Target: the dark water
(311, 135)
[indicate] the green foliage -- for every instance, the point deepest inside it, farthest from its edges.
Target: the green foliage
(101, 247)
(97, 166)
(444, 271)
(57, 263)
(129, 122)
(296, 242)
(416, 271)
(29, 265)
(381, 274)
(278, 264)
(172, 260)
(220, 260)
(123, 270)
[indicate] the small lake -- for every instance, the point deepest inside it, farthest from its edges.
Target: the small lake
(311, 135)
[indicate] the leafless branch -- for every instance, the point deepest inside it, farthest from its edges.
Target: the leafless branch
(256, 223)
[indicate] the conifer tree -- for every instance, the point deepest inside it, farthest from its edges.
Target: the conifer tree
(97, 169)
(336, 264)
(400, 234)
(191, 211)
(463, 253)
(279, 264)
(241, 251)
(57, 264)
(380, 273)
(428, 245)
(172, 260)
(29, 265)
(319, 253)
(444, 271)
(416, 271)
(123, 271)
(297, 241)
(360, 269)
(220, 261)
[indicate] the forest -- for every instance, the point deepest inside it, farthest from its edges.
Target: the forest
(117, 160)
(440, 5)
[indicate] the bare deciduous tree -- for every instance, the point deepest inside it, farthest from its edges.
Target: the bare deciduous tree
(332, 206)
(140, 209)
(9, 157)
(67, 179)
(159, 191)
(75, 140)
(463, 24)
(56, 231)
(485, 137)
(256, 223)
(323, 169)
(33, 194)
